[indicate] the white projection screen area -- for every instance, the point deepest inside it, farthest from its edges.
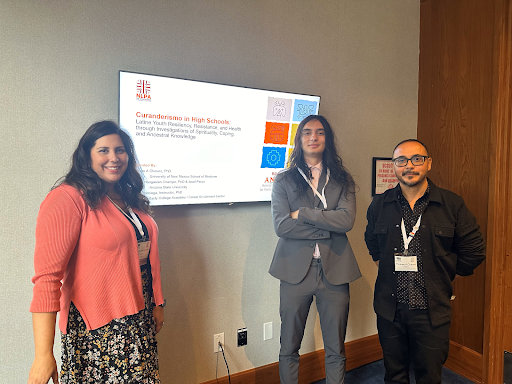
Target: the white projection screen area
(203, 143)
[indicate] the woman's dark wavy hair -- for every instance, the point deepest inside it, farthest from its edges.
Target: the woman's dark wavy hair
(330, 159)
(83, 177)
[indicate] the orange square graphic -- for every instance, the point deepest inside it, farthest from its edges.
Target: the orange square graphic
(276, 133)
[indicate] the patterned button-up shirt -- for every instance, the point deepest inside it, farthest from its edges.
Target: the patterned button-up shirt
(411, 288)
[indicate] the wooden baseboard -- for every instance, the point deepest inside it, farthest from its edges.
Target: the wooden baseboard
(465, 362)
(363, 351)
(461, 360)
(359, 352)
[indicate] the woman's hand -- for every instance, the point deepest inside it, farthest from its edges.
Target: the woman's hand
(295, 214)
(158, 315)
(42, 370)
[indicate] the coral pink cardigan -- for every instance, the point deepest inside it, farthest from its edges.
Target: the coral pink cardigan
(89, 256)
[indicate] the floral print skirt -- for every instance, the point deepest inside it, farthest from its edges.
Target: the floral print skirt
(122, 351)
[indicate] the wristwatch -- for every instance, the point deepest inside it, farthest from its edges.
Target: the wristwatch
(163, 304)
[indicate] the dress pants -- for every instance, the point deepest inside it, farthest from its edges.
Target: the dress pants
(410, 337)
(332, 305)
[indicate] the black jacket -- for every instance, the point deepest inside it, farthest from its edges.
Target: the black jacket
(451, 244)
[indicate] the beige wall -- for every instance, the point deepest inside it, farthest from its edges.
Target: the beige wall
(59, 63)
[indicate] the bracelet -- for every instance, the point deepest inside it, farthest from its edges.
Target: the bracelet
(164, 304)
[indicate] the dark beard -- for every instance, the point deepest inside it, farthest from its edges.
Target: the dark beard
(410, 183)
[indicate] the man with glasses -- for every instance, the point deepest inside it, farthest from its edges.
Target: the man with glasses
(421, 237)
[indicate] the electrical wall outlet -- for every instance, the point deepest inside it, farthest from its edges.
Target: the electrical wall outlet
(268, 331)
(241, 337)
(218, 338)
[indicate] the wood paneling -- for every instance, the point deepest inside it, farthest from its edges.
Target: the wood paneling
(359, 352)
(454, 117)
(498, 320)
(465, 362)
(465, 117)
(507, 294)
(504, 121)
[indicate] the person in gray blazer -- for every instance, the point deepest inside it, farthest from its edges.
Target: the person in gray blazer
(313, 208)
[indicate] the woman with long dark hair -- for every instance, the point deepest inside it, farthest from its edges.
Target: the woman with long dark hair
(313, 207)
(96, 262)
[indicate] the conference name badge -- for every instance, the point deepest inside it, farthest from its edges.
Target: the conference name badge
(406, 263)
(144, 249)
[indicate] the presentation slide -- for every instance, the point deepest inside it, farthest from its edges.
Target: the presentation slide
(202, 143)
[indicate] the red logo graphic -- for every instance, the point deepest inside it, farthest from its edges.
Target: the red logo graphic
(270, 180)
(143, 90)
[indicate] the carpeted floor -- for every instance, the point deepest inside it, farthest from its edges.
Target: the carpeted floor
(374, 374)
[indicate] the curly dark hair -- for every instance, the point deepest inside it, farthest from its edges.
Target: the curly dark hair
(82, 176)
(330, 160)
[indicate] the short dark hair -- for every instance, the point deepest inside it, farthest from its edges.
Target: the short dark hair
(411, 141)
(85, 179)
(330, 159)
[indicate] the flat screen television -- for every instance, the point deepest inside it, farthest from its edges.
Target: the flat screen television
(202, 143)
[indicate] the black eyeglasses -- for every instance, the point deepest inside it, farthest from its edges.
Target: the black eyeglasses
(415, 160)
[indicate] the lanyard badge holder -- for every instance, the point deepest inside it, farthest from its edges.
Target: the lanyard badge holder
(404, 262)
(315, 191)
(143, 244)
(322, 198)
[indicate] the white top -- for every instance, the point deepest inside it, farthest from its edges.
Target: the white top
(316, 171)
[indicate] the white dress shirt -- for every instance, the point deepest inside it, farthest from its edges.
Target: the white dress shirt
(316, 171)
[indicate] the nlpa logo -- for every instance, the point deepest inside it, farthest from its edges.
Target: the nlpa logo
(143, 90)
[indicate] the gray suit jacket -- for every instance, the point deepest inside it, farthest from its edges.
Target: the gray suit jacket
(327, 227)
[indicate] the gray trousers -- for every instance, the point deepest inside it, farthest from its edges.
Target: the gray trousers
(332, 305)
